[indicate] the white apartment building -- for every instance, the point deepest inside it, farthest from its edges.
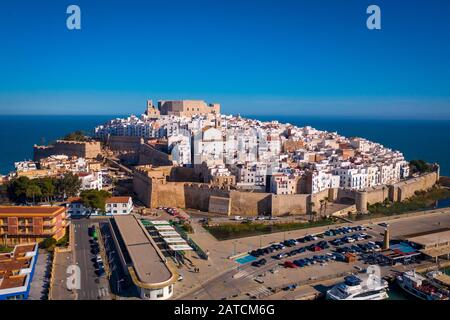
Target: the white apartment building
(91, 180)
(321, 180)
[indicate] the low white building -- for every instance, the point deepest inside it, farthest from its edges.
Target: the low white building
(91, 180)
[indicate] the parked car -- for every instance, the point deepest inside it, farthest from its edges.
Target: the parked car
(280, 256)
(302, 240)
(289, 264)
(329, 233)
(259, 263)
(301, 250)
(300, 263)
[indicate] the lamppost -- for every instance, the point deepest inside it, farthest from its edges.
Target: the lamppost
(118, 285)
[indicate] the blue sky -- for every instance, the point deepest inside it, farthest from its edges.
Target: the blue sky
(296, 57)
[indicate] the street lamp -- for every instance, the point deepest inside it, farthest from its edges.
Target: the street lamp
(118, 285)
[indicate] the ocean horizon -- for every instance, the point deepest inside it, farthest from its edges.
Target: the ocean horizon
(417, 139)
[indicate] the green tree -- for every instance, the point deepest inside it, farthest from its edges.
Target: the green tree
(47, 186)
(17, 189)
(33, 191)
(68, 186)
(420, 166)
(94, 199)
(78, 135)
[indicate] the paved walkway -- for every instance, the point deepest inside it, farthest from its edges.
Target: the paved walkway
(59, 289)
(41, 280)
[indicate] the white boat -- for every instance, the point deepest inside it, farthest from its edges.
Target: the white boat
(421, 287)
(366, 286)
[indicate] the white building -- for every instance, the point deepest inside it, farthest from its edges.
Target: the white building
(91, 180)
(113, 206)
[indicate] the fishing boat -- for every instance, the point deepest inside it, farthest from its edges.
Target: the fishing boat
(421, 287)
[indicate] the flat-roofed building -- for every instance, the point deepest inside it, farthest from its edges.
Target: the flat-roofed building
(433, 244)
(16, 271)
(149, 270)
(22, 224)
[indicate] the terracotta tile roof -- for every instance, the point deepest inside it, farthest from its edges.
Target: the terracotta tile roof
(11, 264)
(25, 210)
(73, 199)
(118, 200)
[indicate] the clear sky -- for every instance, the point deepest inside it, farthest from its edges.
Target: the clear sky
(296, 57)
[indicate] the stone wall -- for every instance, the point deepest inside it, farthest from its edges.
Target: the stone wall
(150, 155)
(154, 189)
(250, 203)
(290, 203)
(406, 189)
(219, 205)
(124, 143)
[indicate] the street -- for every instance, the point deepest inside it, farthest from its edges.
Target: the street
(91, 286)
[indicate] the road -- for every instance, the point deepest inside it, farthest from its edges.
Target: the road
(91, 287)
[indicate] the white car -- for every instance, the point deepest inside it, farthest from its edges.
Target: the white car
(238, 218)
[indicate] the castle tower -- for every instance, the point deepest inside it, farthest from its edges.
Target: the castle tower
(152, 111)
(361, 201)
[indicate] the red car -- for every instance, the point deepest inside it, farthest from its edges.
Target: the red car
(317, 248)
(289, 264)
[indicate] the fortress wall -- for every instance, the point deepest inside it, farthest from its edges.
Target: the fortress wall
(377, 195)
(184, 174)
(124, 143)
(157, 192)
(316, 197)
(197, 195)
(79, 149)
(219, 205)
(406, 189)
(41, 152)
(142, 186)
(290, 203)
(170, 194)
(250, 203)
(150, 155)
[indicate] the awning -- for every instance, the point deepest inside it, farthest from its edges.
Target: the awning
(166, 234)
(180, 247)
(178, 240)
(164, 228)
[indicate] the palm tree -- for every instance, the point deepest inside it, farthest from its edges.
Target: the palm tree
(321, 206)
